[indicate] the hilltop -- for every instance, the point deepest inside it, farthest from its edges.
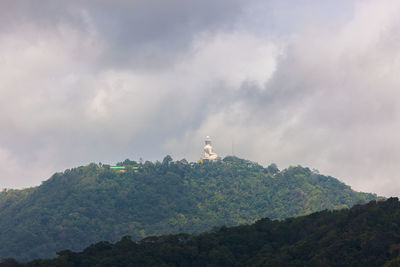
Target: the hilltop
(365, 235)
(87, 204)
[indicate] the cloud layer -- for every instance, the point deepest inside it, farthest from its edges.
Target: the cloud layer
(290, 83)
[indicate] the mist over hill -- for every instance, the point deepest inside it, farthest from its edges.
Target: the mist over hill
(84, 205)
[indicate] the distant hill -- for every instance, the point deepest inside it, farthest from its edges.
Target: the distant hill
(91, 203)
(365, 235)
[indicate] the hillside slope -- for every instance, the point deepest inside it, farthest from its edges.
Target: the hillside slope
(87, 204)
(365, 235)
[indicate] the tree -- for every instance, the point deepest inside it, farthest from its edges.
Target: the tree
(167, 160)
(273, 168)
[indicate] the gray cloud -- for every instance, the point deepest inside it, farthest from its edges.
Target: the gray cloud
(136, 34)
(331, 104)
(305, 83)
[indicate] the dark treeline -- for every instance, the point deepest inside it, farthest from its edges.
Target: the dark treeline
(365, 235)
(88, 204)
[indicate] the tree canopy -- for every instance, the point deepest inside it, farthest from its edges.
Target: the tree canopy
(365, 235)
(84, 205)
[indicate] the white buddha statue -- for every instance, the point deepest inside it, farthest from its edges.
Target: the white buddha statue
(208, 150)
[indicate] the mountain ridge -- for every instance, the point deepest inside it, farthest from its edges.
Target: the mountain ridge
(90, 203)
(364, 235)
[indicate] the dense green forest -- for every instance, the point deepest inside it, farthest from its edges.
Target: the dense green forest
(87, 204)
(365, 235)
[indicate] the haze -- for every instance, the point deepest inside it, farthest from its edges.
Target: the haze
(304, 82)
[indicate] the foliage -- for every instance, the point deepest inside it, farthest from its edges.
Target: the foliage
(365, 235)
(86, 204)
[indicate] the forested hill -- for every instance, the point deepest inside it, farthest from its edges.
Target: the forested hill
(365, 235)
(87, 204)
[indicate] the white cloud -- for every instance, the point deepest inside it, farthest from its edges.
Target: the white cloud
(232, 58)
(298, 86)
(331, 104)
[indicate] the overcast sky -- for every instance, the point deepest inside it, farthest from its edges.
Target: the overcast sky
(315, 83)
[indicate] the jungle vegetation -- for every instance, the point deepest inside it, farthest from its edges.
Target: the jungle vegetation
(365, 235)
(84, 205)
